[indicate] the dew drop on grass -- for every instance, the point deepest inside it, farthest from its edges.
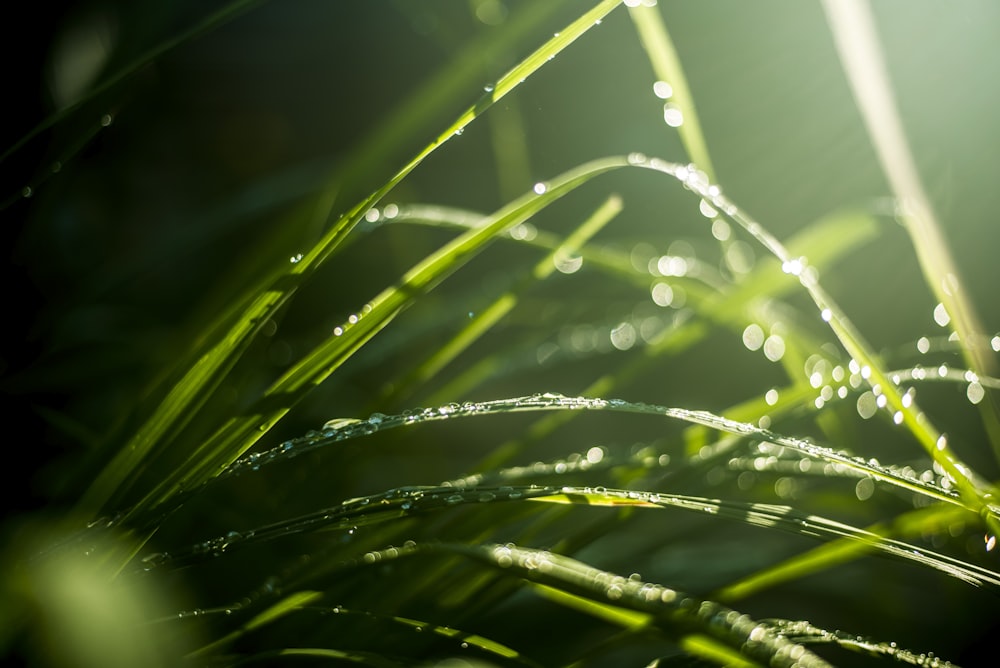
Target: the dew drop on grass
(26, 192)
(488, 88)
(295, 259)
(540, 188)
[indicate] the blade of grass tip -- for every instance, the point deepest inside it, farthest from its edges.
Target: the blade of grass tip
(857, 44)
(266, 304)
(241, 432)
(213, 20)
(666, 64)
(500, 307)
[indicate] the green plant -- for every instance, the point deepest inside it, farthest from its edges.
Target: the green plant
(623, 372)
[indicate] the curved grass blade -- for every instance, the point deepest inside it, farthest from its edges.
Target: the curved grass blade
(220, 356)
(340, 430)
(407, 501)
(807, 634)
(672, 611)
(241, 432)
(904, 410)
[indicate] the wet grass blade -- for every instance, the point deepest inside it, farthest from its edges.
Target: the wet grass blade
(220, 356)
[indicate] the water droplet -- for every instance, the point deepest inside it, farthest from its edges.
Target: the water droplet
(540, 188)
(826, 314)
(106, 120)
(489, 88)
(637, 158)
(991, 542)
(372, 215)
(26, 191)
(459, 131)
(663, 90)
(295, 259)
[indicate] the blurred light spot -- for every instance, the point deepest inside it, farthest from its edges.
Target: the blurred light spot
(663, 294)
(794, 266)
(721, 231)
(623, 336)
(662, 90)
(540, 188)
(764, 422)
(842, 391)
(491, 12)
(753, 337)
(941, 316)
(838, 373)
(816, 379)
(740, 257)
(826, 314)
(864, 489)
(524, 232)
(867, 405)
(923, 344)
(295, 259)
(991, 542)
(774, 348)
(390, 211)
(372, 215)
(672, 115)
(595, 454)
(771, 397)
(995, 343)
(975, 392)
(672, 265)
(881, 401)
(707, 209)
(631, 3)
(897, 417)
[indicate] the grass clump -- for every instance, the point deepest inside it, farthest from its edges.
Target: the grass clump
(466, 331)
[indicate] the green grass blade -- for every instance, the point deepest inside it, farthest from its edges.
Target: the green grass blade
(217, 359)
(241, 432)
